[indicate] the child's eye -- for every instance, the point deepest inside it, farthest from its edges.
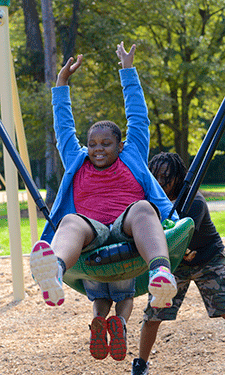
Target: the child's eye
(107, 143)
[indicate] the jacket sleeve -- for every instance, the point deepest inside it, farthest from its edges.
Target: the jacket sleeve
(136, 112)
(64, 124)
(197, 212)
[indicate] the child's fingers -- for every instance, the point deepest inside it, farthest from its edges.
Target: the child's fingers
(76, 65)
(79, 60)
(132, 50)
(120, 47)
(68, 63)
(118, 51)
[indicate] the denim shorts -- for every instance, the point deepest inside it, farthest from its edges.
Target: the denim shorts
(115, 290)
(210, 280)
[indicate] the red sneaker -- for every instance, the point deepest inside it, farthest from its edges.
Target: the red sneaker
(117, 330)
(98, 344)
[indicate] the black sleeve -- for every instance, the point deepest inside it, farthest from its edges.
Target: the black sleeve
(198, 210)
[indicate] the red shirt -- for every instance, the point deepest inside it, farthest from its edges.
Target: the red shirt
(104, 195)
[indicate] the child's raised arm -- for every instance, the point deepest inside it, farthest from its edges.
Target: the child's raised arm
(67, 70)
(126, 58)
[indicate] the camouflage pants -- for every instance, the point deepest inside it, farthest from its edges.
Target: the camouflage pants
(210, 280)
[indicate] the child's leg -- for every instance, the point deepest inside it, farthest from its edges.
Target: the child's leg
(101, 307)
(49, 263)
(122, 293)
(117, 329)
(98, 342)
(72, 235)
(148, 336)
(124, 308)
(142, 223)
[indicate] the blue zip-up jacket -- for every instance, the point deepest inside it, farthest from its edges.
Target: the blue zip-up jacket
(134, 154)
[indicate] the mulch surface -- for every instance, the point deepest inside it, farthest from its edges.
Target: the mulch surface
(38, 339)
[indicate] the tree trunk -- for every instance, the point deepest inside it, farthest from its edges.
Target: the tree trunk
(32, 28)
(159, 137)
(181, 144)
(34, 45)
(49, 41)
(50, 77)
(69, 34)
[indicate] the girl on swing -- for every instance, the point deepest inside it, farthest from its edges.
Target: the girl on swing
(107, 195)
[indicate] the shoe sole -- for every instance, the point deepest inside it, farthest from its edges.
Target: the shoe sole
(117, 345)
(44, 267)
(98, 344)
(162, 290)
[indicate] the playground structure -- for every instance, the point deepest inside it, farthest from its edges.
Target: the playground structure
(121, 261)
(11, 116)
(10, 106)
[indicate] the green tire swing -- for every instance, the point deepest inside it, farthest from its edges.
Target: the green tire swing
(122, 261)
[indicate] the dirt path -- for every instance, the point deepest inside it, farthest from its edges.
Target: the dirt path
(37, 339)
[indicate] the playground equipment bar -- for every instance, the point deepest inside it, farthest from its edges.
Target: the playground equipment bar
(199, 166)
(202, 170)
(24, 173)
(7, 115)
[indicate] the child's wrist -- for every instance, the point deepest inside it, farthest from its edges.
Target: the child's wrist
(61, 82)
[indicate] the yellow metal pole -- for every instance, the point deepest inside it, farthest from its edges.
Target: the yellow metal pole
(2, 179)
(23, 153)
(11, 176)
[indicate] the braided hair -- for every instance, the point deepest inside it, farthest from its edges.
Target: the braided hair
(175, 169)
(109, 124)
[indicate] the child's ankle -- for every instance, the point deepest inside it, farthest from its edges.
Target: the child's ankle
(62, 264)
(122, 319)
(158, 262)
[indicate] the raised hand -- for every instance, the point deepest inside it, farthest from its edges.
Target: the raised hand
(126, 58)
(67, 70)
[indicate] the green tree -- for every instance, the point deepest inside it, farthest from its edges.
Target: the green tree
(179, 57)
(182, 65)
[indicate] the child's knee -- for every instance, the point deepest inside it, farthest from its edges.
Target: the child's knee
(68, 219)
(73, 221)
(144, 208)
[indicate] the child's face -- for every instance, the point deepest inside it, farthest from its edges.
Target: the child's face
(103, 147)
(161, 178)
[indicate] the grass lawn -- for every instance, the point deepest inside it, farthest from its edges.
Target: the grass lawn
(214, 189)
(218, 219)
(25, 235)
(3, 208)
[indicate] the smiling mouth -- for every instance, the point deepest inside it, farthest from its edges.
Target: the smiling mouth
(99, 157)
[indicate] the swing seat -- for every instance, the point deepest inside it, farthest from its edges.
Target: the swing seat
(122, 261)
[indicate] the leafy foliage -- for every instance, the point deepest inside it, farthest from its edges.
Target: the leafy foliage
(180, 59)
